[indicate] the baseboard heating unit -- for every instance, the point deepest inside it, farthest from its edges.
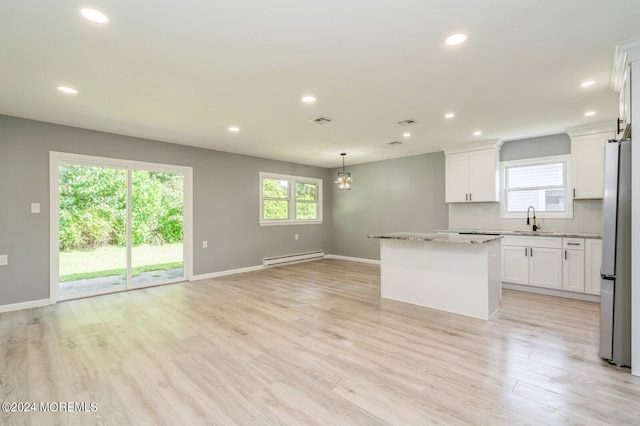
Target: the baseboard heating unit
(291, 258)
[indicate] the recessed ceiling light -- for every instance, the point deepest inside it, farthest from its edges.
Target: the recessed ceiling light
(477, 133)
(587, 83)
(94, 16)
(406, 135)
(590, 113)
(455, 39)
(308, 99)
(234, 129)
(449, 115)
(68, 90)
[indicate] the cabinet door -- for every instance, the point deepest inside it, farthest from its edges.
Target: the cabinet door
(592, 263)
(483, 175)
(587, 165)
(545, 267)
(456, 178)
(573, 271)
(515, 264)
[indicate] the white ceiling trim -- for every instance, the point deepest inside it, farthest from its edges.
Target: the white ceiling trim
(626, 52)
(590, 129)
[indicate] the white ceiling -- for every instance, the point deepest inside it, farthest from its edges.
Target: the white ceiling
(183, 71)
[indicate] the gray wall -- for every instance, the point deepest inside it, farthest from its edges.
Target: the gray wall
(405, 194)
(225, 210)
(543, 146)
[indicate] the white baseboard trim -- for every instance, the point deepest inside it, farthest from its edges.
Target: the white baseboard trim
(352, 259)
(24, 305)
(225, 273)
(552, 292)
(260, 267)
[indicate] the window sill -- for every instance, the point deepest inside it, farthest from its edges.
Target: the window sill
(290, 222)
(539, 215)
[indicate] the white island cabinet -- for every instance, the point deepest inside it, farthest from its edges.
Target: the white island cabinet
(449, 272)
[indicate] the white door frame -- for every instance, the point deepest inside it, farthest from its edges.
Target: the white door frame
(55, 158)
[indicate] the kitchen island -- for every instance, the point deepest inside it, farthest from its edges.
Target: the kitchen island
(449, 272)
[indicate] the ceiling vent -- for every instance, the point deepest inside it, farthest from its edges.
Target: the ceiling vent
(394, 143)
(407, 122)
(320, 120)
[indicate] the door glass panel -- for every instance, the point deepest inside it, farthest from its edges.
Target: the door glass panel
(157, 235)
(92, 232)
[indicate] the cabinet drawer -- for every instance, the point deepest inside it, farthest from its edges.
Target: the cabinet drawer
(543, 242)
(573, 243)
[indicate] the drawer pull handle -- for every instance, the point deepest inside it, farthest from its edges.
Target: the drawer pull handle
(565, 255)
(573, 244)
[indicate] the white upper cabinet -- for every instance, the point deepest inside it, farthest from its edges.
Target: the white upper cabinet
(457, 178)
(587, 165)
(471, 176)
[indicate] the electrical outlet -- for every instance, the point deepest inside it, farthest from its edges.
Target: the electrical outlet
(4, 259)
(478, 210)
(296, 237)
(35, 207)
(205, 244)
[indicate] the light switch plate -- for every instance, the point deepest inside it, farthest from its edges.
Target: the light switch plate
(4, 259)
(35, 207)
(205, 244)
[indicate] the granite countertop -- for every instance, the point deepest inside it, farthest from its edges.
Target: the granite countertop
(565, 234)
(437, 238)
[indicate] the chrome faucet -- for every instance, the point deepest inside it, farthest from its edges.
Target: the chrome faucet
(535, 224)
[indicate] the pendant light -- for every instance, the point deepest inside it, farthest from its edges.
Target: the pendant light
(344, 178)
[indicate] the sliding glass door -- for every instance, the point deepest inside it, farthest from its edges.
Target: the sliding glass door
(157, 237)
(118, 225)
(92, 230)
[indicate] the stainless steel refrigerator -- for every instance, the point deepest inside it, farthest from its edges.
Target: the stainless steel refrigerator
(615, 293)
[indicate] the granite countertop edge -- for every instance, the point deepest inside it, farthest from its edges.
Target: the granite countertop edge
(471, 232)
(437, 238)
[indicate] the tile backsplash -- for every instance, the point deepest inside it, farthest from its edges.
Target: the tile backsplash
(587, 218)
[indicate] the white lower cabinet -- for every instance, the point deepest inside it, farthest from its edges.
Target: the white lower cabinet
(573, 264)
(592, 265)
(545, 267)
(535, 261)
(569, 264)
(515, 264)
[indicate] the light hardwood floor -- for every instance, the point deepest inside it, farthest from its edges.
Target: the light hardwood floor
(310, 343)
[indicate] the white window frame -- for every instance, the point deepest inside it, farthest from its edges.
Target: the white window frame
(505, 165)
(292, 199)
